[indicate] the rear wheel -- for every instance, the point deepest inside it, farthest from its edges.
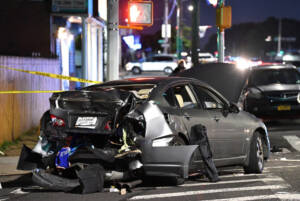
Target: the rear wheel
(256, 155)
(168, 70)
(136, 70)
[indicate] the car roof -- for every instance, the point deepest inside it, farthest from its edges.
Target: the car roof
(148, 80)
(273, 66)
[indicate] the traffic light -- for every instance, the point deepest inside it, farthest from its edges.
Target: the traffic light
(223, 17)
(140, 13)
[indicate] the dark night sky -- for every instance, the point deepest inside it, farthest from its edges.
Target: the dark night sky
(242, 11)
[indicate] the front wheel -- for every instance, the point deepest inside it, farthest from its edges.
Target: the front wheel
(256, 155)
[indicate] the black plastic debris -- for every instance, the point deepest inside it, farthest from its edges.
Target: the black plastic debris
(54, 182)
(91, 179)
(206, 154)
(28, 159)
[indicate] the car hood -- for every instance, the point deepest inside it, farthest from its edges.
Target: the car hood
(279, 87)
(225, 78)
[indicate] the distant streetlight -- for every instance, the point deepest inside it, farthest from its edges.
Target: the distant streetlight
(191, 8)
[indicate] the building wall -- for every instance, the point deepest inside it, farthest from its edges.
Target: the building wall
(25, 28)
(20, 112)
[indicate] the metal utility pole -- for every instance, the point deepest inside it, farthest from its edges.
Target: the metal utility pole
(113, 40)
(195, 31)
(166, 26)
(221, 39)
(279, 36)
(178, 31)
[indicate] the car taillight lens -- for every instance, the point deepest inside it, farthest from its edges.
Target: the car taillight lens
(107, 126)
(56, 121)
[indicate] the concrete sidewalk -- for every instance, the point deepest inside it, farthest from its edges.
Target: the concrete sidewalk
(8, 166)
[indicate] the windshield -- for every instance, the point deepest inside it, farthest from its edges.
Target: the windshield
(274, 76)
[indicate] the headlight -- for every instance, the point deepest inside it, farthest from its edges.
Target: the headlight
(254, 93)
(162, 142)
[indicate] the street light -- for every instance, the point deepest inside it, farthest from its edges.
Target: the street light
(190, 8)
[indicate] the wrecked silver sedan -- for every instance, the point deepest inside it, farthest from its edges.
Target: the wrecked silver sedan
(130, 129)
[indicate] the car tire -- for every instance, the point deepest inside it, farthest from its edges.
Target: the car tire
(256, 155)
(168, 70)
(136, 70)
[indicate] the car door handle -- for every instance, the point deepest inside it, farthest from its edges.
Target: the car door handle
(217, 119)
(187, 116)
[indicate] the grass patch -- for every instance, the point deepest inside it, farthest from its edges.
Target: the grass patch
(29, 137)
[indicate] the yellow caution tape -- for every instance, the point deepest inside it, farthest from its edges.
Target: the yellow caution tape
(52, 75)
(27, 92)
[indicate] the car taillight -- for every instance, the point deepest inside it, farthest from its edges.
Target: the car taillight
(107, 126)
(56, 121)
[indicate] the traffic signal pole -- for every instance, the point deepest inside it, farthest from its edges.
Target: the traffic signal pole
(166, 26)
(195, 32)
(221, 39)
(178, 30)
(113, 40)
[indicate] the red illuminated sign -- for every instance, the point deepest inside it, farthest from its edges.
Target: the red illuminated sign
(140, 13)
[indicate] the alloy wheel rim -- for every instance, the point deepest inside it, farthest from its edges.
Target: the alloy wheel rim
(259, 153)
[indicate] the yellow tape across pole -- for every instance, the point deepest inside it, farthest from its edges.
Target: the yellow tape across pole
(52, 75)
(28, 92)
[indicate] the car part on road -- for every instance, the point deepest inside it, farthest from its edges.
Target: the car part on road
(200, 133)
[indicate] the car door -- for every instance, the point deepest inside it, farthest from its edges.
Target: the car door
(226, 135)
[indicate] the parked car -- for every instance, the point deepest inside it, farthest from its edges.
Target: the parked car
(144, 126)
(267, 91)
(273, 92)
(206, 57)
(165, 63)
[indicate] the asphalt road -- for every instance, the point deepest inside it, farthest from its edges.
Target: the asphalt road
(280, 181)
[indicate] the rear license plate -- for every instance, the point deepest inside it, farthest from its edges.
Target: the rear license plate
(86, 122)
(284, 108)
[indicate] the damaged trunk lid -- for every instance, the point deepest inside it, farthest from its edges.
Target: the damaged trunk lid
(99, 110)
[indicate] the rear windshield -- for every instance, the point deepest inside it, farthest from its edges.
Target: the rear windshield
(274, 76)
(140, 91)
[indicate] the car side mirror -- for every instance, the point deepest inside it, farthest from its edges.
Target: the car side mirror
(234, 108)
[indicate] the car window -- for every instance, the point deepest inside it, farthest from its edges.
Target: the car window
(162, 58)
(208, 99)
(169, 97)
(183, 97)
(274, 76)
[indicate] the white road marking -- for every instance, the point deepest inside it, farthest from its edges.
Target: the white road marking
(187, 193)
(285, 160)
(287, 166)
(262, 197)
(241, 175)
(0, 186)
(18, 191)
(234, 181)
(293, 140)
(3, 199)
